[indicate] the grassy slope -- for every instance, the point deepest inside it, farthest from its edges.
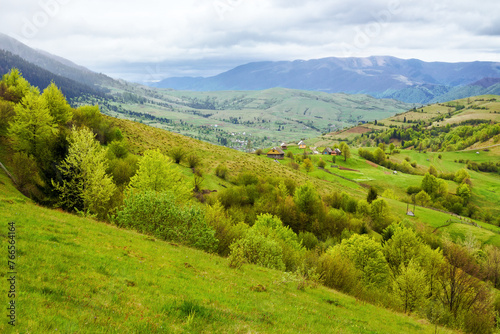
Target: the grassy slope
(79, 275)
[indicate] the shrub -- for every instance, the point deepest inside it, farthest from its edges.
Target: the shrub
(321, 163)
(158, 214)
(338, 272)
(177, 154)
(256, 248)
(193, 160)
(221, 171)
(259, 152)
(247, 178)
(308, 240)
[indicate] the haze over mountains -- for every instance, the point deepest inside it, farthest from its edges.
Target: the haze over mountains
(411, 80)
(406, 80)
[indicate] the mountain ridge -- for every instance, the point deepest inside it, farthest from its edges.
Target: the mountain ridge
(409, 80)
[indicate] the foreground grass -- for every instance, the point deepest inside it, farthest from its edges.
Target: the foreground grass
(76, 275)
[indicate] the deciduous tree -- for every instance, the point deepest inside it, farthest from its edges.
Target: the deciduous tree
(85, 185)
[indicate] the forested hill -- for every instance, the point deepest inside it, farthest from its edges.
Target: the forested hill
(41, 78)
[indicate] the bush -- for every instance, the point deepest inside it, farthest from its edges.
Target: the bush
(221, 171)
(259, 152)
(321, 163)
(225, 230)
(338, 272)
(177, 154)
(158, 214)
(193, 160)
(308, 240)
(256, 248)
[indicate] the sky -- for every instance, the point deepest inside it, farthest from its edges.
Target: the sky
(149, 40)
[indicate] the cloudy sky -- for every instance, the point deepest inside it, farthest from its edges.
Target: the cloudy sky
(152, 39)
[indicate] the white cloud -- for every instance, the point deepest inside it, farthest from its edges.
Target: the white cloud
(109, 35)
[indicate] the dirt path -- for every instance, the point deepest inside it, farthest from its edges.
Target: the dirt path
(371, 163)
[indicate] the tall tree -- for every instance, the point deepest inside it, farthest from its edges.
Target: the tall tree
(56, 102)
(156, 173)
(33, 128)
(16, 86)
(346, 152)
(85, 186)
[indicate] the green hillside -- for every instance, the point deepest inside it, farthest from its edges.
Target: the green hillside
(314, 221)
(244, 119)
(79, 275)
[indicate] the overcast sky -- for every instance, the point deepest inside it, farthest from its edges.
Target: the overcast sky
(151, 39)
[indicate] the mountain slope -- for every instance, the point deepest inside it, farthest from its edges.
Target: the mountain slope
(54, 64)
(410, 80)
(41, 78)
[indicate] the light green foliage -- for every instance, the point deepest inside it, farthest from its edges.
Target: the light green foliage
(461, 175)
(56, 102)
(307, 199)
(429, 184)
(434, 186)
(422, 198)
(85, 184)
(367, 256)
(89, 116)
(403, 247)
(156, 173)
(346, 152)
(6, 115)
(17, 86)
(380, 214)
(33, 128)
(433, 170)
(379, 155)
(225, 229)
(339, 272)
(464, 192)
(256, 248)
(160, 215)
(388, 193)
(308, 165)
(410, 286)
(269, 231)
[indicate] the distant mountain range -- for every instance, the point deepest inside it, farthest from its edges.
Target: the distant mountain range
(412, 80)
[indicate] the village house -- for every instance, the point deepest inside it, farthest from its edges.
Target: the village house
(276, 153)
(283, 146)
(327, 151)
(301, 144)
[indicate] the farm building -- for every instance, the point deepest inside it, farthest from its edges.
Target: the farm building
(337, 152)
(283, 146)
(276, 153)
(301, 144)
(327, 151)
